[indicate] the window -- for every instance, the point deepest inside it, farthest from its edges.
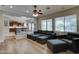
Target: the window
(46, 24)
(43, 25)
(70, 23)
(67, 23)
(59, 24)
(49, 24)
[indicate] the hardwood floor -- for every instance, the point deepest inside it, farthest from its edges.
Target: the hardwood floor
(24, 46)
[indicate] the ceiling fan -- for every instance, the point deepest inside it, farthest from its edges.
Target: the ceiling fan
(36, 12)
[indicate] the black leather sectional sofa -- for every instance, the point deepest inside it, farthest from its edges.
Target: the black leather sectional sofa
(70, 39)
(41, 36)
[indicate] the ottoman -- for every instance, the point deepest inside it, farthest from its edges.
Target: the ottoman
(42, 39)
(56, 45)
(35, 36)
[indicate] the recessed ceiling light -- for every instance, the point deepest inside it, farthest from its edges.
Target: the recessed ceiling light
(11, 6)
(27, 11)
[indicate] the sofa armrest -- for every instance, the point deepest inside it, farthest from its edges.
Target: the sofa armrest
(75, 38)
(75, 44)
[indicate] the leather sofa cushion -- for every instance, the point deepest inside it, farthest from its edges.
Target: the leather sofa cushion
(43, 32)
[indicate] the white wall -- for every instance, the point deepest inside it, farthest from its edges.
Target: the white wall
(1, 29)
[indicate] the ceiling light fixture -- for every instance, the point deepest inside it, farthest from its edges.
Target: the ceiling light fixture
(36, 12)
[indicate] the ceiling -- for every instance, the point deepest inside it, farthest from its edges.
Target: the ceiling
(27, 10)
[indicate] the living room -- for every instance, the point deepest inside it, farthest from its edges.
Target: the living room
(39, 29)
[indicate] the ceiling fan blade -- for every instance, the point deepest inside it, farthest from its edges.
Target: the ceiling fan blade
(40, 13)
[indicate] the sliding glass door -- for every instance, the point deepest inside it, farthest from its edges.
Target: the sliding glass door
(31, 27)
